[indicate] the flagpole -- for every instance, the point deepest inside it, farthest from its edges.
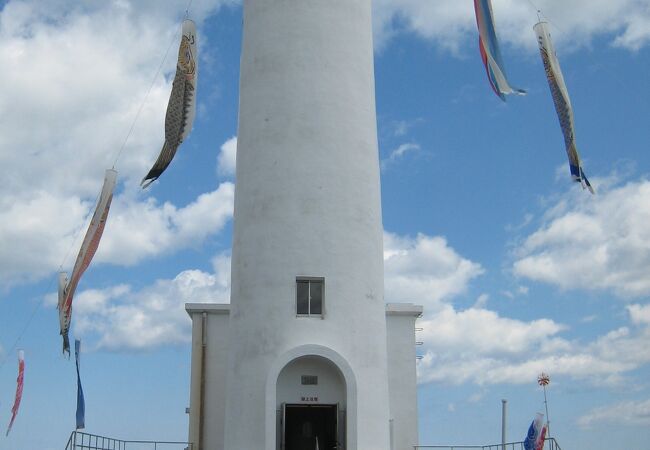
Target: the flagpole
(543, 380)
(548, 421)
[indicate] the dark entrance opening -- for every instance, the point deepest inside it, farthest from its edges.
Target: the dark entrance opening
(304, 424)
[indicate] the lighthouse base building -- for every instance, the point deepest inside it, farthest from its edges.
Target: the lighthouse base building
(307, 355)
(309, 394)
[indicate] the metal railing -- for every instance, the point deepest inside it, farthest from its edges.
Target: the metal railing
(85, 441)
(549, 444)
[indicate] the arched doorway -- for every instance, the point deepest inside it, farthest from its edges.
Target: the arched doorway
(311, 405)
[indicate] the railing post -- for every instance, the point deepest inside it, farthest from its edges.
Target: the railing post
(504, 409)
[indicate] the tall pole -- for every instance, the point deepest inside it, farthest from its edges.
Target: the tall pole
(504, 404)
(543, 380)
(548, 421)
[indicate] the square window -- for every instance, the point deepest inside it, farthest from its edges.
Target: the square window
(309, 296)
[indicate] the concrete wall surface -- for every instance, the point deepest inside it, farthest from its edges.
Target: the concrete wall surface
(336, 382)
(307, 203)
(211, 403)
(330, 389)
(402, 376)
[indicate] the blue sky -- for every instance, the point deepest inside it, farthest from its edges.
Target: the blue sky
(519, 270)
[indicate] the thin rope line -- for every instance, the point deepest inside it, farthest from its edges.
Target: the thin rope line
(144, 100)
(541, 14)
(538, 10)
(24, 330)
(39, 304)
(153, 81)
(535, 6)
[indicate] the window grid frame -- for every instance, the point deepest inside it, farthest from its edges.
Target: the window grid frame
(309, 281)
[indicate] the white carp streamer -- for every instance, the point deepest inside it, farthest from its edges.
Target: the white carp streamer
(88, 249)
(562, 102)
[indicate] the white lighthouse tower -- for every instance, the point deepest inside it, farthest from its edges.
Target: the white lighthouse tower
(302, 357)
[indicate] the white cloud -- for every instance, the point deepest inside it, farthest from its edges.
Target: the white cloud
(73, 64)
(479, 346)
(424, 270)
(227, 159)
(137, 230)
(520, 291)
(625, 413)
(78, 83)
(639, 314)
(399, 152)
(474, 345)
(528, 218)
(597, 242)
(477, 397)
(637, 33)
(37, 235)
(481, 301)
(81, 81)
(450, 23)
(485, 332)
(445, 21)
(402, 127)
(403, 149)
(119, 319)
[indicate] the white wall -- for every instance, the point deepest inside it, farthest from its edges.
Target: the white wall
(216, 357)
(402, 376)
(307, 203)
(330, 389)
(284, 378)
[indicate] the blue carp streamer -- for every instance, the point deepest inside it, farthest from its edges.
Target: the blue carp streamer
(490, 52)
